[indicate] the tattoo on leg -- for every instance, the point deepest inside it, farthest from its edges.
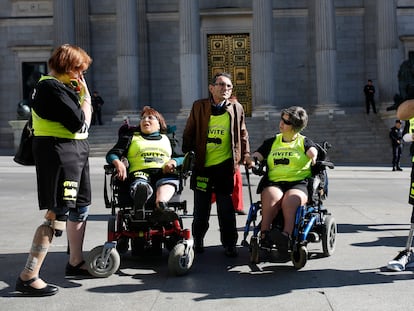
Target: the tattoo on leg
(31, 263)
(38, 249)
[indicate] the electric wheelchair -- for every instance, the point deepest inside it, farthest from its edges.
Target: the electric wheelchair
(313, 222)
(147, 232)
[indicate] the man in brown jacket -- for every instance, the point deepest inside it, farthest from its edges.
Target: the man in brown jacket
(216, 131)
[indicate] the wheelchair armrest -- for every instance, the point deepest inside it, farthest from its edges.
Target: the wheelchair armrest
(328, 164)
(109, 169)
(188, 164)
(258, 168)
(320, 166)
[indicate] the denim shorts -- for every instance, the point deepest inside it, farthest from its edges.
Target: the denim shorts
(75, 214)
(168, 181)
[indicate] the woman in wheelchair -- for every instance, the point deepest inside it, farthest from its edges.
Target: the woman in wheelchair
(142, 156)
(289, 157)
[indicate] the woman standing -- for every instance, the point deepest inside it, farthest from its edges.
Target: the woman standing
(61, 113)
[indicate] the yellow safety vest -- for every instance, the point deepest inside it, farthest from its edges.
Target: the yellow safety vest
(287, 161)
(145, 153)
(411, 131)
(44, 127)
(218, 148)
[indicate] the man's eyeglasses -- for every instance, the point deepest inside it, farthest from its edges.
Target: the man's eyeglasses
(222, 84)
(150, 118)
(287, 122)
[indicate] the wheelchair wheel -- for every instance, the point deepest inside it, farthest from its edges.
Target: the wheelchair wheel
(178, 262)
(170, 242)
(299, 257)
(329, 236)
(254, 250)
(96, 265)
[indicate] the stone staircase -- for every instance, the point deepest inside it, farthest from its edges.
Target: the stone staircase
(356, 138)
(103, 137)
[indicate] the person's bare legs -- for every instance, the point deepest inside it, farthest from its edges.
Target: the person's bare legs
(270, 198)
(292, 199)
(75, 233)
(164, 193)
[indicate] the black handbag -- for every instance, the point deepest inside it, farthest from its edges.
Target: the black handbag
(24, 154)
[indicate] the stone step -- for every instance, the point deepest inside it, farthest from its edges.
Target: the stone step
(355, 137)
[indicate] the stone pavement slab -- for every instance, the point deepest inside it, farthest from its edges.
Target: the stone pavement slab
(368, 203)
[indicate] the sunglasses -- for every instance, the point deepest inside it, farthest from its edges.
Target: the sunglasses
(287, 122)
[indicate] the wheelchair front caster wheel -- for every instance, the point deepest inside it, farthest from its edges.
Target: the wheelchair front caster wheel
(299, 257)
(329, 236)
(100, 267)
(179, 263)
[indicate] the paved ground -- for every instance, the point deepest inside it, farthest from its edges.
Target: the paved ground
(368, 203)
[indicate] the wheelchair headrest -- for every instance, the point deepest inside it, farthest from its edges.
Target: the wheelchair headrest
(126, 130)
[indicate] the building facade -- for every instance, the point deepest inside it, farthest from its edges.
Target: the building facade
(315, 53)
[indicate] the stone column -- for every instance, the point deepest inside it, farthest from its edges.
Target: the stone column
(82, 36)
(127, 55)
(325, 53)
(63, 22)
(263, 58)
(387, 48)
(190, 55)
(143, 54)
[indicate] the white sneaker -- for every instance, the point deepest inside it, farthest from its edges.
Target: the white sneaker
(399, 263)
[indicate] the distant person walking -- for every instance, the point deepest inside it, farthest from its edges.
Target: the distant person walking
(369, 91)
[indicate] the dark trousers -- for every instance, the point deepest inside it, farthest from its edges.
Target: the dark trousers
(97, 117)
(225, 213)
(370, 102)
(396, 155)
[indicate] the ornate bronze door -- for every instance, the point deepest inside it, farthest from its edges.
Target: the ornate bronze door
(231, 53)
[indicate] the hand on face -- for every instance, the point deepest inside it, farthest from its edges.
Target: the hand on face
(75, 80)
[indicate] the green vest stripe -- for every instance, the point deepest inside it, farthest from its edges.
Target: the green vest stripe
(44, 127)
(218, 147)
(288, 161)
(144, 153)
